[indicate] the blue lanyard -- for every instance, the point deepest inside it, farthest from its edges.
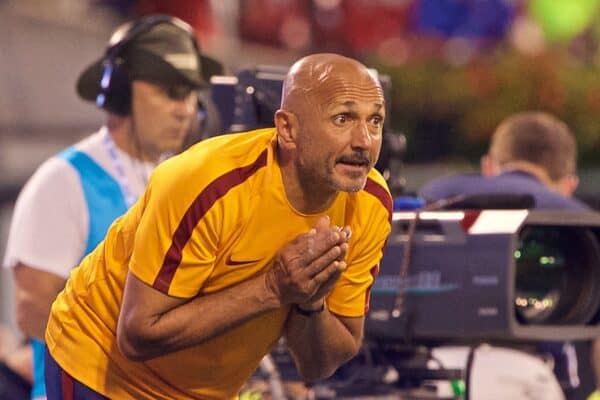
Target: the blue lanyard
(111, 149)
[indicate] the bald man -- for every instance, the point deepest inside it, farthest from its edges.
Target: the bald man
(239, 241)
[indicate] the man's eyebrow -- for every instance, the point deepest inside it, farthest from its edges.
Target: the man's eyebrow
(352, 104)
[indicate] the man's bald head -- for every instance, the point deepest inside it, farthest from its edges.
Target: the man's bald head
(314, 79)
(329, 128)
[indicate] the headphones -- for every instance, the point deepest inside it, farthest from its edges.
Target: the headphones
(115, 84)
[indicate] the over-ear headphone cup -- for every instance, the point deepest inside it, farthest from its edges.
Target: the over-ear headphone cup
(112, 90)
(115, 88)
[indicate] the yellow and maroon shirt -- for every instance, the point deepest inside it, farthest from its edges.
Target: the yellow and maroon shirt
(211, 217)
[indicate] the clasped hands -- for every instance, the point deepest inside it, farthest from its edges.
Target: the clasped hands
(306, 269)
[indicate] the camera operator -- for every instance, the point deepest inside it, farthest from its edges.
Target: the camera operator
(145, 83)
(530, 153)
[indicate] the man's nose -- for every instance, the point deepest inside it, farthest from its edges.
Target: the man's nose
(361, 136)
(185, 107)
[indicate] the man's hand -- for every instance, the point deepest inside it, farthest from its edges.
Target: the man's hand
(306, 269)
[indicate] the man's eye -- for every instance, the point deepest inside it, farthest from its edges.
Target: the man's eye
(377, 120)
(341, 119)
(178, 92)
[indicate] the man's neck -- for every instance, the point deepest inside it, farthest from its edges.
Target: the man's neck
(536, 171)
(122, 133)
(305, 197)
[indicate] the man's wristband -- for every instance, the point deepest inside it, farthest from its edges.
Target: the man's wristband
(308, 313)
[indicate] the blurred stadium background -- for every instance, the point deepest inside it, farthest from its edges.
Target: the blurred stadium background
(457, 68)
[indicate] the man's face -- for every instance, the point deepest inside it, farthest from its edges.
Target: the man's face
(162, 116)
(340, 134)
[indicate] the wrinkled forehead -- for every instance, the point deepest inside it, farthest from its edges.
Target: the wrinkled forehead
(324, 81)
(332, 85)
(340, 91)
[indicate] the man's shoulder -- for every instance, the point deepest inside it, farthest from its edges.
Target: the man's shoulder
(90, 147)
(376, 192)
(474, 183)
(550, 200)
(237, 147)
(55, 180)
(545, 198)
(57, 174)
(448, 186)
(219, 159)
(514, 182)
(52, 170)
(232, 148)
(56, 165)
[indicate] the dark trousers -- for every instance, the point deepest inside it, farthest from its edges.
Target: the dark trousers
(62, 386)
(12, 386)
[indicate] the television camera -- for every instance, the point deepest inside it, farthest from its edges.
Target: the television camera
(499, 275)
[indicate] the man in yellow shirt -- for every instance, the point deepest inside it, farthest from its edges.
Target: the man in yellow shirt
(240, 240)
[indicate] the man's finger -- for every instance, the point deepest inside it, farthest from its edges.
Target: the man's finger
(336, 253)
(326, 279)
(315, 245)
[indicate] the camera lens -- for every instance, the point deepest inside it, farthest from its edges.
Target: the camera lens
(556, 274)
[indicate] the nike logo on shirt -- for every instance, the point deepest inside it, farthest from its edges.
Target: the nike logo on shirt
(229, 261)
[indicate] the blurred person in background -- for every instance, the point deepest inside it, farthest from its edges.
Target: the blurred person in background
(146, 83)
(531, 153)
(238, 241)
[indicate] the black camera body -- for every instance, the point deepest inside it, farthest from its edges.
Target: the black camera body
(249, 99)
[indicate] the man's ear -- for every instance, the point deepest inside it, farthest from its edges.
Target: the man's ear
(287, 125)
(488, 166)
(568, 184)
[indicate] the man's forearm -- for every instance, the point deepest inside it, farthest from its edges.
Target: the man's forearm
(321, 342)
(195, 321)
(33, 318)
(35, 291)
